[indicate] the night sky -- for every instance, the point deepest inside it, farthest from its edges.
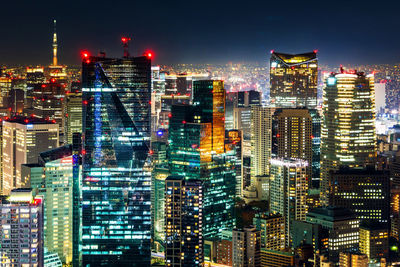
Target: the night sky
(344, 32)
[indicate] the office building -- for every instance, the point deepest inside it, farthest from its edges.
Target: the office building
(374, 240)
(48, 103)
(73, 111)
(348, 128)
(272, 228)
(261, 136)
(56, 186)
(365, 192)
(288, 191)
(293, 136)
(277, 257)
(294, 79)
(21, 228)
(242, 122)
(159, 173)
(234, 142)
(23, 140)
(197, 151)
(246, 247)
(183, 222)
(353, 260)
(116, 175)
(342, 229)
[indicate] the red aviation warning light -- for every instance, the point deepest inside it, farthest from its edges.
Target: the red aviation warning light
(85, 54)
(315, 51)
(125, 45)
(149, 54)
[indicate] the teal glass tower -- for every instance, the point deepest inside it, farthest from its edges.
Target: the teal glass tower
(197, 152)
(116, 177)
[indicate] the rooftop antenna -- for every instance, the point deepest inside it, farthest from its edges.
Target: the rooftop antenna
(125, 45)
(55, 45)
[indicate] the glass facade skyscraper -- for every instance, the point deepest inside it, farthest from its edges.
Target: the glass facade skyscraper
(116, 177)
(197, 151)
(294, 80)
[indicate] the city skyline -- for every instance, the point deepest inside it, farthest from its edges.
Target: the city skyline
(214, 32)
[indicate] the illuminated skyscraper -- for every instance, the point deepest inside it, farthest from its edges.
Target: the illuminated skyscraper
(21, 239)
(288, 191)
(73, 108)
(183, 222)
(56, 185)
(294, 136)
(48, 103)
(23, 140)
(116, 177)
(197, 151)
(294, 80)
(159, 173)
(261, 135)
(348, 130)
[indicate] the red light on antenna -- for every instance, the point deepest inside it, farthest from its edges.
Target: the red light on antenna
(272, 51)
(184, 122)
(83, 152)
(315, 51)
(87, 61)
(125, 39)
(85, 54)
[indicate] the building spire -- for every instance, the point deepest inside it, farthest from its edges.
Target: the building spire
(55, 45)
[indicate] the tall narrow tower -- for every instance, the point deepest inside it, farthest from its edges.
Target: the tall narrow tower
(55, 45)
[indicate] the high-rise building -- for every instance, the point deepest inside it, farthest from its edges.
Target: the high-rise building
(159, 173)
(21, 228)
(293, 135)
(365, 192)
(235, 142)
(56, 186)
(272, 227)
(23, 140)
(197, 151)
(242, 121)
(348, 128)
(342, 228)
(48, 103)
(374, 240)
(288, 191)
(246, 247)
(261, 136)
(5, 88)
(73, 111)
(294, 79)
(116, 176)
(183, 222)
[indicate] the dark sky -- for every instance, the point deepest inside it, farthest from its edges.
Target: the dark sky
(218, 31)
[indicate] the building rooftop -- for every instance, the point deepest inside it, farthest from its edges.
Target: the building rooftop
(332, 213)
(294, 59)
(28, 120)
(56, 153)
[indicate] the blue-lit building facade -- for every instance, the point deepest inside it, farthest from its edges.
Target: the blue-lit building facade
(116, 177)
